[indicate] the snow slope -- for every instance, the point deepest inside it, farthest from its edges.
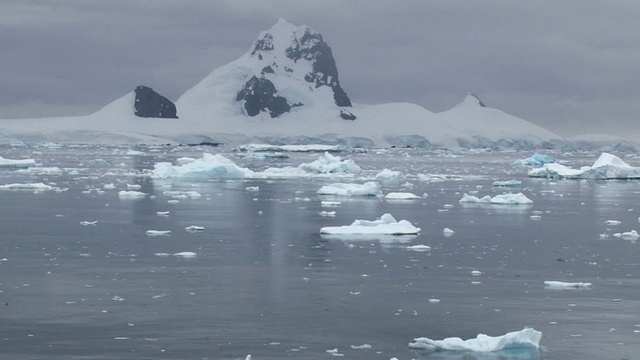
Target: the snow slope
(301, 69)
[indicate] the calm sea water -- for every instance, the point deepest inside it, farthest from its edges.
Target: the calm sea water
(266, 283)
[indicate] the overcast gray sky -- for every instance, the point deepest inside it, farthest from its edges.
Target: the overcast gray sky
(571, 66)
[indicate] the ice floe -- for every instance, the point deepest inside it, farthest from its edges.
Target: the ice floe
(369, 188)
(504, 199)
(131, 194)
(185, 255)
(22, 163)
(524, 339)
(448, 232)
(628, 235)
(507, 183)
(419, 248)
(36, 187)
(560, 285)
(390, 175)
(386, 225)
(325, 164)
(209, 166)
(401, 196)
(158, 232)
(194, 228)
(606, 167)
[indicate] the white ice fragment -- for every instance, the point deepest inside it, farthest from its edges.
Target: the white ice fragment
(401, 196)
(327, 213)
(504, 199)
(109, 186)
(186, 255)
(606, 167)
(448, 232)
(419, 248)
(507, 183)
(559, 285)
(386, 225)
(361, 347)
(613, 222)
(390, 175)
(162, 254)
(158, 232)
(134, 186)
(434, 301)
(162, 213)
(476, 273)
(131, 194)
(87, 223)
(370, 188)
(523, 339)
(330, 203)
(21, 163)
(194, 228)
(252, 188)
(535, 217)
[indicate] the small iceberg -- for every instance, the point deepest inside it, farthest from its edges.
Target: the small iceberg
(504, 199)
(131, 194)
(326, 164)
(209, 166)
(386, 225)
(507, 183)
(9, 163)
(606, 167)
(158, 232)
(401, 196)
(370, 188)
(535, 160)
(390, 175)
(526, 339)
(560, 285)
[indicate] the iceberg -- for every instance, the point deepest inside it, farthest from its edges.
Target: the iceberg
(524, 339)
(209, 166)
(326, 164)
(606, 167)
(504, 199)
(369, 188)
(560, 285)
(386, 225)
(507, 183)
(401, 196)
(390, 175)
(535, 160)
(23, 163)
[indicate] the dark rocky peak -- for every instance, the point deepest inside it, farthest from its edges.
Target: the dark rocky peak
(263, 44)
(471, 95)
(150, 104)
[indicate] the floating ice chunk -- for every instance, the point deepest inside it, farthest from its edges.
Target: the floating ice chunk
(327, 213)
(329, 164)
(163, 213)
(523, 339)
(22, 163)
(390, 175)
(289, 148)
(194, 228)
(131, 194)
(606, 167)
(504, 199)
(330, 203)
(419, 248)
(434, 301)
(476, 273)
(629, 235)
(334, 352)
(158, 232)
(87, 223)
(185, 160)
(401, 196)
(559, 285)
(28, 186)
(109, 186)
(252, 188)
(535, 217)
(535, 160)
(507, 183)
(134, 152)
(447, 232)
(386, 225)
(361, 347)
(162, 254)
(182, 194)
(209, 166)
(370, 188)
(613, 222)
(186, 255)
(134, 186)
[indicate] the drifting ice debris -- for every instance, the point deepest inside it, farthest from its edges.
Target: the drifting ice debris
(360, 347)
(341, 189)
(131, 194)
(23, 163)
(526, 339)
(504, 199)
(629, 235)
(87, 223)
(330, 203)
(29, 186)
(158, 232)
(419, 248)
(186, 255)
(194, 228)
(613, 222)
(559, 285)
(447, 232)
(401, 196)
(390, 175)
(327, 213)
(607, 167)
(386, 225)
(507, 183)
(209, 166)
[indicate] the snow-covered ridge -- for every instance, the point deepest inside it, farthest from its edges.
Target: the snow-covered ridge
(285, 90)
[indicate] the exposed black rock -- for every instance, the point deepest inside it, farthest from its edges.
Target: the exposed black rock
(263, 44)
(150, 104)
(311, 47)
(259, 95)
(347, 115)
(479, 101)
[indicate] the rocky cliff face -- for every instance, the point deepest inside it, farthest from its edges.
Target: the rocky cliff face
(149, 104)
(289, 52)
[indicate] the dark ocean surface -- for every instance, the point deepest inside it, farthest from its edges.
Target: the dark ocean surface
(265, 282)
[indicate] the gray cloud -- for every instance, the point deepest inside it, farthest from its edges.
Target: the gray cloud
(569, 66)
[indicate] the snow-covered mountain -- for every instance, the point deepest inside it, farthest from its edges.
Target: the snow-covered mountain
(284, 90)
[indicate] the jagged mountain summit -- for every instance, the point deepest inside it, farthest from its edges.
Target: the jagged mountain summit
(289, 68)
(284, 90)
